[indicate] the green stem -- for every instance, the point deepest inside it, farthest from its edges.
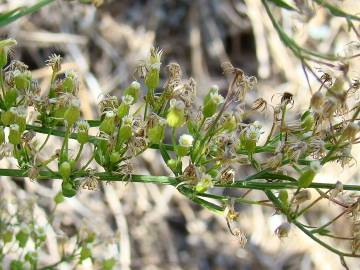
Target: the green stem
(165, 180)
(15, 14)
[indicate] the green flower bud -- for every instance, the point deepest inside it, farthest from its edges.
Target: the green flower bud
(82, 135)
(175, 117)
(307, 121)
(308, 175)
(21, 122)
(2, 135)
(69, 83)
(72, 114)
(10, 97)
(181, 151)
(7, 117)
(283, 197)
(152, 78)
(156, 134)
(229, 124)
(123, 110)
(172, 164)
(14, 134)
(59, 198)
(5, 45)
(125, 132)
(65, 170)
(115, 157)
(153, 63)
(108, 124)
(67, 189)
(22, 80)
(133, 90)
(211, 102)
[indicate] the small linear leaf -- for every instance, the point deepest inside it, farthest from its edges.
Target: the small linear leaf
(283, 4)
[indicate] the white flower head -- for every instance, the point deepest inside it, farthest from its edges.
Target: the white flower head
(186, 140)
(128, 120)
(135, 85)
(128, 100)
(253, 132)
(83, 126)
(109, 114)
(216, 97)
(154, 59)
(206, 181)
(214, 88)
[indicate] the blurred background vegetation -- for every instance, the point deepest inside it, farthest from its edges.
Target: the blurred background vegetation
(148, 226)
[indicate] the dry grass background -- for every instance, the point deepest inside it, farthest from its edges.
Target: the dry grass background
(149, 226)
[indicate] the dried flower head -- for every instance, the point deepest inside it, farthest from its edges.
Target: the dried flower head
(283, 230)
(54, 62)
(302, 196)
(259, 104)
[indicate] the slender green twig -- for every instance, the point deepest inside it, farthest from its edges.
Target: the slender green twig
(8, 17)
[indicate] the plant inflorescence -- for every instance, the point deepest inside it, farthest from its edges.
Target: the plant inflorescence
(207, 146)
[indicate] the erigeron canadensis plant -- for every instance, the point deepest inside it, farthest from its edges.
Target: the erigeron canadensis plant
(208, 143)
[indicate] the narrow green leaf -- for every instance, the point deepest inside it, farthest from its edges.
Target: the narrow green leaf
(282, 4)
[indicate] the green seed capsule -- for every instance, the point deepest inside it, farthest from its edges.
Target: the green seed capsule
(71, 115)
(69, 83)
(65, 170)
(7, 118)
(283, 197)
(14, 134)
(172, 164)
(181, 150)
(152, 78)
(307, 122)
(125, 133)
(22, 80)
(21, 122)
(10, 97)
(133, 90)
(82, 137)
(115, 157)
(306, 178)
(68, 190)
(156, 134)
(175, 118)
(108, 124)
(229, 124)
(123, 110)
(209, 109)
